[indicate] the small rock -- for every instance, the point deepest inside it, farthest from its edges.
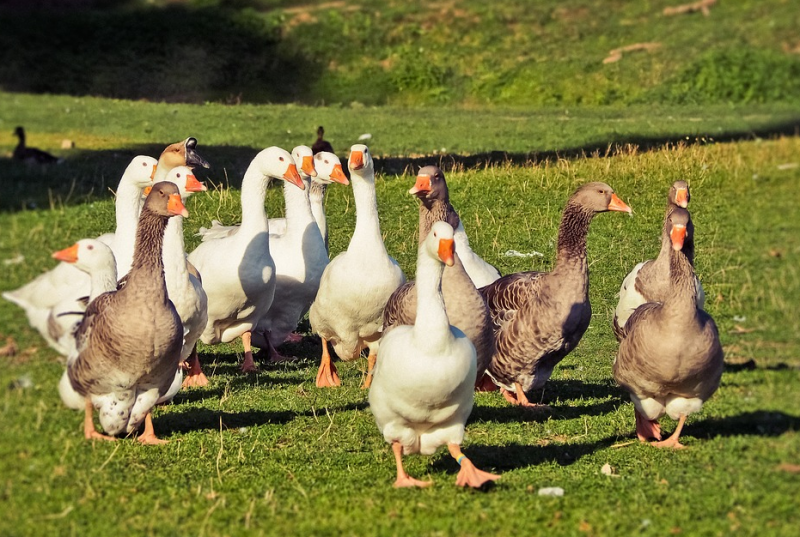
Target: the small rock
(554, 492)
(67, 144)
(365, 136)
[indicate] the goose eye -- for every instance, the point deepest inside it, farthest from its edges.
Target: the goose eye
(281, 159)
(90, 247)
(144, 164)
(326, 162)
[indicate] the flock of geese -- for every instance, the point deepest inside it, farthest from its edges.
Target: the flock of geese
(128, 308)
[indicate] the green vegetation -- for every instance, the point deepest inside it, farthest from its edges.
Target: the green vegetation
(270, 454)
(505, 52)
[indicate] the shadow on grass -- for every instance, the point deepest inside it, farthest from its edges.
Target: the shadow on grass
(516, 414)
(758, 423)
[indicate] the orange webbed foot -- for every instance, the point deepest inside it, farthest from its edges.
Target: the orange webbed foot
(470, 476)
(194, 376)
(646, 429)
(407, 481)
(249, 365)
(327, 376)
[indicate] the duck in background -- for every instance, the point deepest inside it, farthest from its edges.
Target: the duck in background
(129, 342)
(539, 317)
(321, 145)
(423, 389)
(31, 155)
(348, 309)
(670, 359)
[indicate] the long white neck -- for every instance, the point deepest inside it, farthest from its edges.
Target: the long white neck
(298, 208)
(174, 255)
(317, 198)
(128, 205)
(103, 280)
(161, 173)
(432, 325)
(368, 228)
(254, 190)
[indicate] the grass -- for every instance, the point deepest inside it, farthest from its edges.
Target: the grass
(271, 454)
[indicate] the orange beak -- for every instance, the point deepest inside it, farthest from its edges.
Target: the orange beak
(308, 167)
(175, 206)
(617, 204)
(338, 175)
(356, 160)
(153, 173)
(147, 190)
(446, 249)
(67, 255)
(293, 177)
(682, 198)
(193, 185)
(677, 235)
(423, 184)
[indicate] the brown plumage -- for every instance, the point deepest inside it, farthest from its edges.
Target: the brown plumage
(465, 306)
(670, 359)
(649, 280)
(321, 145)
(31, 154)
(130, 339)
(539, 317)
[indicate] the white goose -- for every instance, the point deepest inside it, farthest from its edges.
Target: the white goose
(238, 270)
(479, 271)
(299, 253)
(422, 392)
(356, 285)
(66, 282)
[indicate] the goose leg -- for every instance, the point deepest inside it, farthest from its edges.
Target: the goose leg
(469, 475)
(327, 377)
(88, 424)
(274, 355)
(248, 366)
(646, 429)
(371, 360)
(403, 479)
(520, 399)
(195, 376)
(149, 435)
(672, 441)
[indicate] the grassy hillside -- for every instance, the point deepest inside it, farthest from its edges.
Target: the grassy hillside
(469, 52)
(270, 454)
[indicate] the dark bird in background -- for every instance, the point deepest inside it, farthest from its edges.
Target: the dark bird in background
(321, 145)
(31, 154)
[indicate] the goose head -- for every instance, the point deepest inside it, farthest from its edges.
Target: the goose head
(679, 227)
(329, 169)
(679, 194)
(164, 199)
(360, 161)
(304, 160)
(430, 185)
(185, 180)
(181, 154)
(598, 197)
(87, 255)
(440, 243)
(140, 171)
(19, 132)
(276, 163)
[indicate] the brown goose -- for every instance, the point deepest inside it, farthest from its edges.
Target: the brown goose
(31, 154)
(539, 317)
(129, 343)
(179, 154)
(670, 359)
(649, 280)
(465, 306)
(321, 145)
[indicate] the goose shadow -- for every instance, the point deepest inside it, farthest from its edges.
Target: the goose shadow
(518, 456)
(574, 389)
(756, 423)
(515, 414)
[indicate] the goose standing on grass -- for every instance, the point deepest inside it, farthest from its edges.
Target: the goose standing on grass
(466, 308)
(238, 270)
(65, 282)
(422, 393)
(129, 342)
(299, 253)
(539, 317)
(348, 309)
(670, 359)
(321, 145)
(32, 155)
(649, 280)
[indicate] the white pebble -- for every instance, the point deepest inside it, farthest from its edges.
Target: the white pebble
(551, 491)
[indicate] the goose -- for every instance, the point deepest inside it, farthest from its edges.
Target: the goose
(66, 282)
(321, 145)
(539, 317)
(32, 154)
(480, 272)
(300, 256)
(238, 270)
(348, 309)
(670, 359)
(466, 308)
(649, 280)
(179, 154)
(129, 342)
(422, 393)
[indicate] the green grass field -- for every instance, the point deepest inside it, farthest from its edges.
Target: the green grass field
(271, 454)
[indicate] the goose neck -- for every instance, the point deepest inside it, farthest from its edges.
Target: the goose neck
(317, 198)
(174, 255)
(434, 211)
(254, 190)
(148, 263)
(103, 281)
(432, 322)
(368, 228)
(572, 233)
(683, 285)
(298, 207)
